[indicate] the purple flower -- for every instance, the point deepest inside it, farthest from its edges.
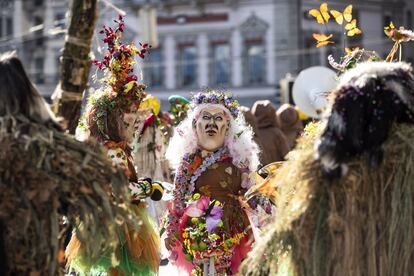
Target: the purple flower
(200, 207)
(213, 218)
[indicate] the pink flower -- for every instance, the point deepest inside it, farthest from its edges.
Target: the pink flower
(203, 207)
(198, 208)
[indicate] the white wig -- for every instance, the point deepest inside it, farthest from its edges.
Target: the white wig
(239, 140)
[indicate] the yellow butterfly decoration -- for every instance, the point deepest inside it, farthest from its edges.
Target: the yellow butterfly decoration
(340, 16)
(349, 50)
(322, 40)
(322, 16)
(388, 30)
(352, 28)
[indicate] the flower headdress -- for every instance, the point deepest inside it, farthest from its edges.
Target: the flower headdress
(214, 97)
(121, 89)
(118, 63)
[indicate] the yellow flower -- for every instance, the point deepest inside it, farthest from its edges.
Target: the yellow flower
(129, 86)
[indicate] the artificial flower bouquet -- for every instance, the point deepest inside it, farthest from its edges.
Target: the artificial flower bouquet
(202, 235)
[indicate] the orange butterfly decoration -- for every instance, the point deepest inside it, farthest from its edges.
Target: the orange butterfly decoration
(352, 28)
(322, 15)
(322, 40)
(340, 16)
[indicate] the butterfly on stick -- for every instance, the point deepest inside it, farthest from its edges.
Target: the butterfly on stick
(352, 28)
(322, 15)
(322, 40)
(340, 16)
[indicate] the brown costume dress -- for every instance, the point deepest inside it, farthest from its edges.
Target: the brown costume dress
(222, 181)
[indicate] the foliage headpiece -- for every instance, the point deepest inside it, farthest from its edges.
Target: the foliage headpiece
(121, 89)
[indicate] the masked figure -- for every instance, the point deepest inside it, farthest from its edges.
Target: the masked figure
(150, 147)
(48, 182)
(272, 140)
(111, 118)
(213, 152)
(345, 193)
(289, 123)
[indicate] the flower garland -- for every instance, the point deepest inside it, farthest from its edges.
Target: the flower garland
(187, 174)
(213, 97)
(121, 89)
(210, 160)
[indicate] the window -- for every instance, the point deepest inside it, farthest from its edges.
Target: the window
(221, 64)
(60, 20)
(1, 26)
(9, 26)
(38, 3)
(311, 54)
(255, 62)
(38, 73)
(253, 31)
(154, 69)
(187, 65)
(356, 40)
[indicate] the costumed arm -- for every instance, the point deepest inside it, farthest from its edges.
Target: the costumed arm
(258, 199)
(176, 208)
(143, 187)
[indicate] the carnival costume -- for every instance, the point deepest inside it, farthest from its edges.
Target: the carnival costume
(149, 150)
(110, 118)
(208, 216)
(50, 183)
(345, 193)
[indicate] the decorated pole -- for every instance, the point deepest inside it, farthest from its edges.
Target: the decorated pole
(75, 62)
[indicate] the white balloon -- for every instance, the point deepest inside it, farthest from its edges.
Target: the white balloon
(311, 88)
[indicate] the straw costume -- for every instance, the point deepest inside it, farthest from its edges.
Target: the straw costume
(345, 194)
(111, 118)
(50, 183)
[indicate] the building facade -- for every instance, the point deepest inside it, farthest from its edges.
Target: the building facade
(244, 46)
(35, 29)
(247, 47)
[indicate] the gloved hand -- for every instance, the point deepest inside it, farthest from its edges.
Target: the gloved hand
(146, 188)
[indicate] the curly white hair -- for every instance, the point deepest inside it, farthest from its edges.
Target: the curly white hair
(239, 140)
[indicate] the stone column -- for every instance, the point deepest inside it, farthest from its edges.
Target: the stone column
(286, 33)
(237, 50)
(270, 56)
(203, 60)
(18, 29)
(373, 38)
(169, 61)
(50, 68)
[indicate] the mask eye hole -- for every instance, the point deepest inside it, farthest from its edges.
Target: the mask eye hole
(206, 117)
(218, 118)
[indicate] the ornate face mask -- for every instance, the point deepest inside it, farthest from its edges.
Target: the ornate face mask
(211, 127)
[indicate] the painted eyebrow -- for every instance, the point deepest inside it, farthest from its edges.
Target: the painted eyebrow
(214, 114)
